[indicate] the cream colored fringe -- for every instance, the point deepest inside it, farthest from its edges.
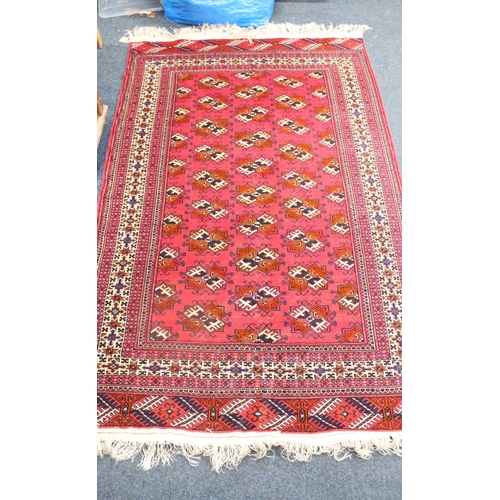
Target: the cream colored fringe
(270, 30)
(225, 450)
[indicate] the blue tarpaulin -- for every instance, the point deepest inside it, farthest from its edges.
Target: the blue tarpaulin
(244, 13)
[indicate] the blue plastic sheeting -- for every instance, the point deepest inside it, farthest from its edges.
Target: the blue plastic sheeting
(244, 13)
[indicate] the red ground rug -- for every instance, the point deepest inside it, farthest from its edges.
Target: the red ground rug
(249, 250)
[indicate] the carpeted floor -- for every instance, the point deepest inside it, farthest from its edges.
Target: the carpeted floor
(380, 477)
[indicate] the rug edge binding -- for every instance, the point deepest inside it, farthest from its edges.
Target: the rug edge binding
(230, 31)
(154, 448)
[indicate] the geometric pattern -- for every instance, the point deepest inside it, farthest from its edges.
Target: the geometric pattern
(249, 242)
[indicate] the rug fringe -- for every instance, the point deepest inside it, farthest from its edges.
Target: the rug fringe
(270, 30)
(230, 452)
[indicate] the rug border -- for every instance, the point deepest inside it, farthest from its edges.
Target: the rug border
(107, 166)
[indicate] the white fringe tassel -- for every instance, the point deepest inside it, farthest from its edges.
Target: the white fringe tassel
(270, 30)
(227, 451)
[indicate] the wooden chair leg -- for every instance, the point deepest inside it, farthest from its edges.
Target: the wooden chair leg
(99, 39)
(100, 106)
(102, 113)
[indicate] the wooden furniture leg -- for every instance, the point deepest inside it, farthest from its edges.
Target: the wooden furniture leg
(102, 113)
(102, 110)
(99, 39)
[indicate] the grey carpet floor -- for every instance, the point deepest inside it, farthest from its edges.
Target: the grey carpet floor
(378, 478)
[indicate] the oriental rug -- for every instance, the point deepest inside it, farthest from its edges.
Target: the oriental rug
(249, 250)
